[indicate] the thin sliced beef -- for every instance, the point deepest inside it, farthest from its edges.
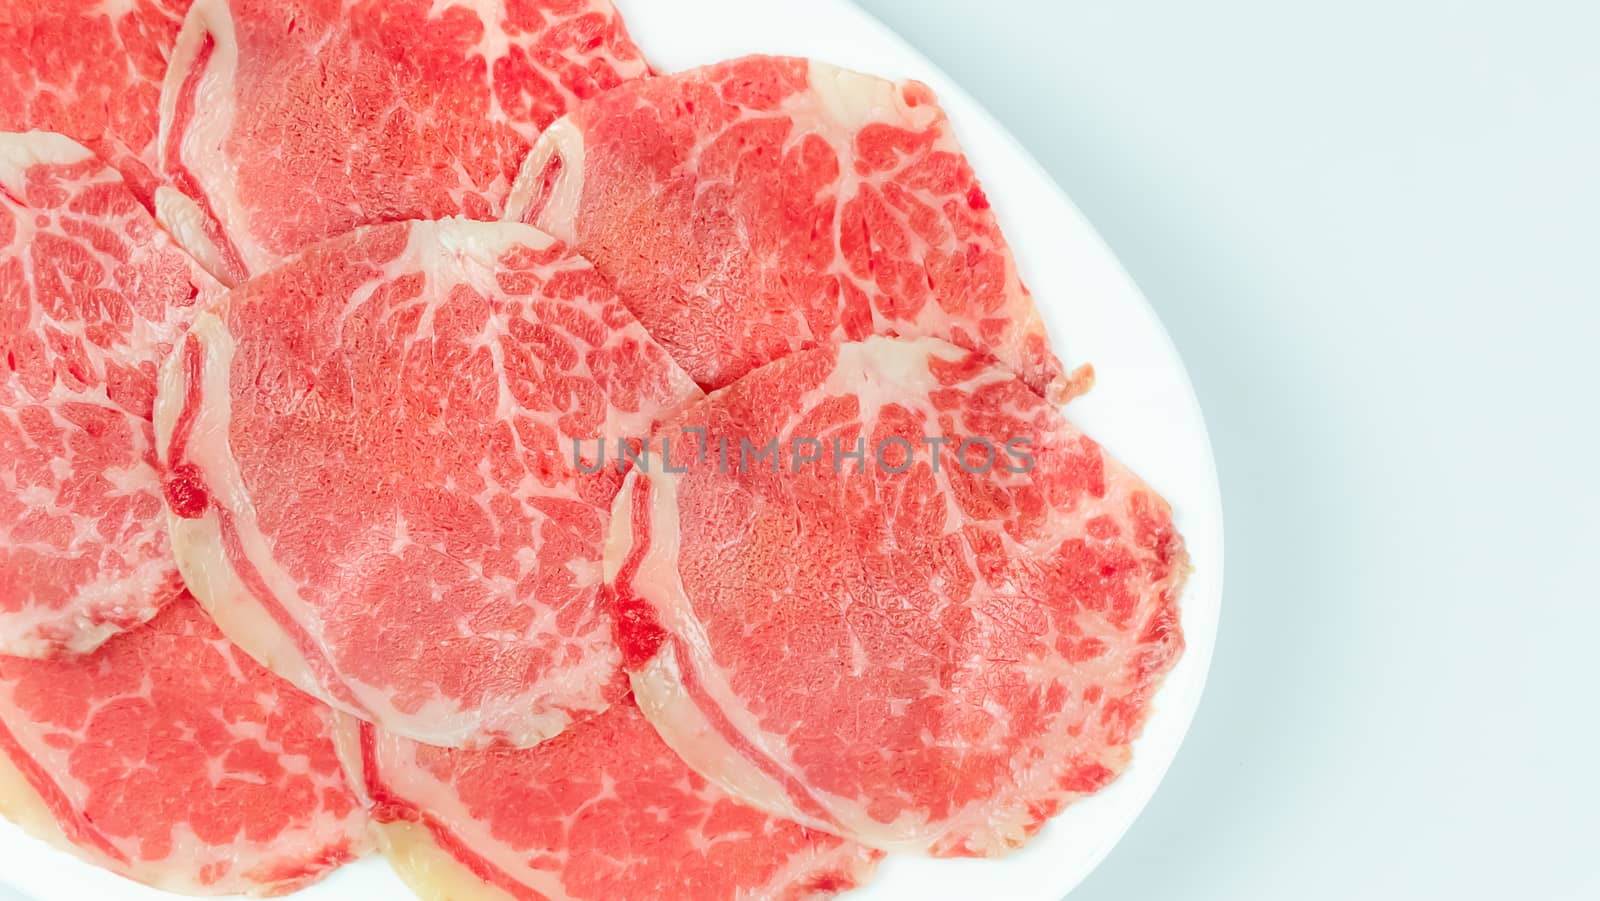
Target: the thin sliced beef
(895, 595)
(605, 811)
(92, 295)
(92, 71)
(384, 474)
(170, 757)
(767, 204)
(284, 122)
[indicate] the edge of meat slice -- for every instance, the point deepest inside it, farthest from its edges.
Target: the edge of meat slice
(931, 661)
(765, 205)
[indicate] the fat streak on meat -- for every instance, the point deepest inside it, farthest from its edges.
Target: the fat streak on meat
(604, 811)
(930, 660)
(284, 122)
(171, 758)
(92, 295)
(92, 71)
(766, 204)
(372, 472)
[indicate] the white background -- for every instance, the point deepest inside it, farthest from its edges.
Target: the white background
(1373, 230)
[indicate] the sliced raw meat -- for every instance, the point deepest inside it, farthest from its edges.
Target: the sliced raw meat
(764, 205)
(933, 646)
(170, 757)
(373, 475)
(92, 296)
(605, 811)
(93, 72)
(285, 123)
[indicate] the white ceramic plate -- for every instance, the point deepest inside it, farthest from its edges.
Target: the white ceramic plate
(1142, 409)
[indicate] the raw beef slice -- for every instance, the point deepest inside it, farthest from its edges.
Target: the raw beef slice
(373, 477)
(171, 758)
(93, 72)
(764, 205)
(284, 122)
(882, 626)
(605, 811)
(92, 295)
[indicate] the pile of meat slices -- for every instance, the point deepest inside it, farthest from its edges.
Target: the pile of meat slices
(425, 428)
